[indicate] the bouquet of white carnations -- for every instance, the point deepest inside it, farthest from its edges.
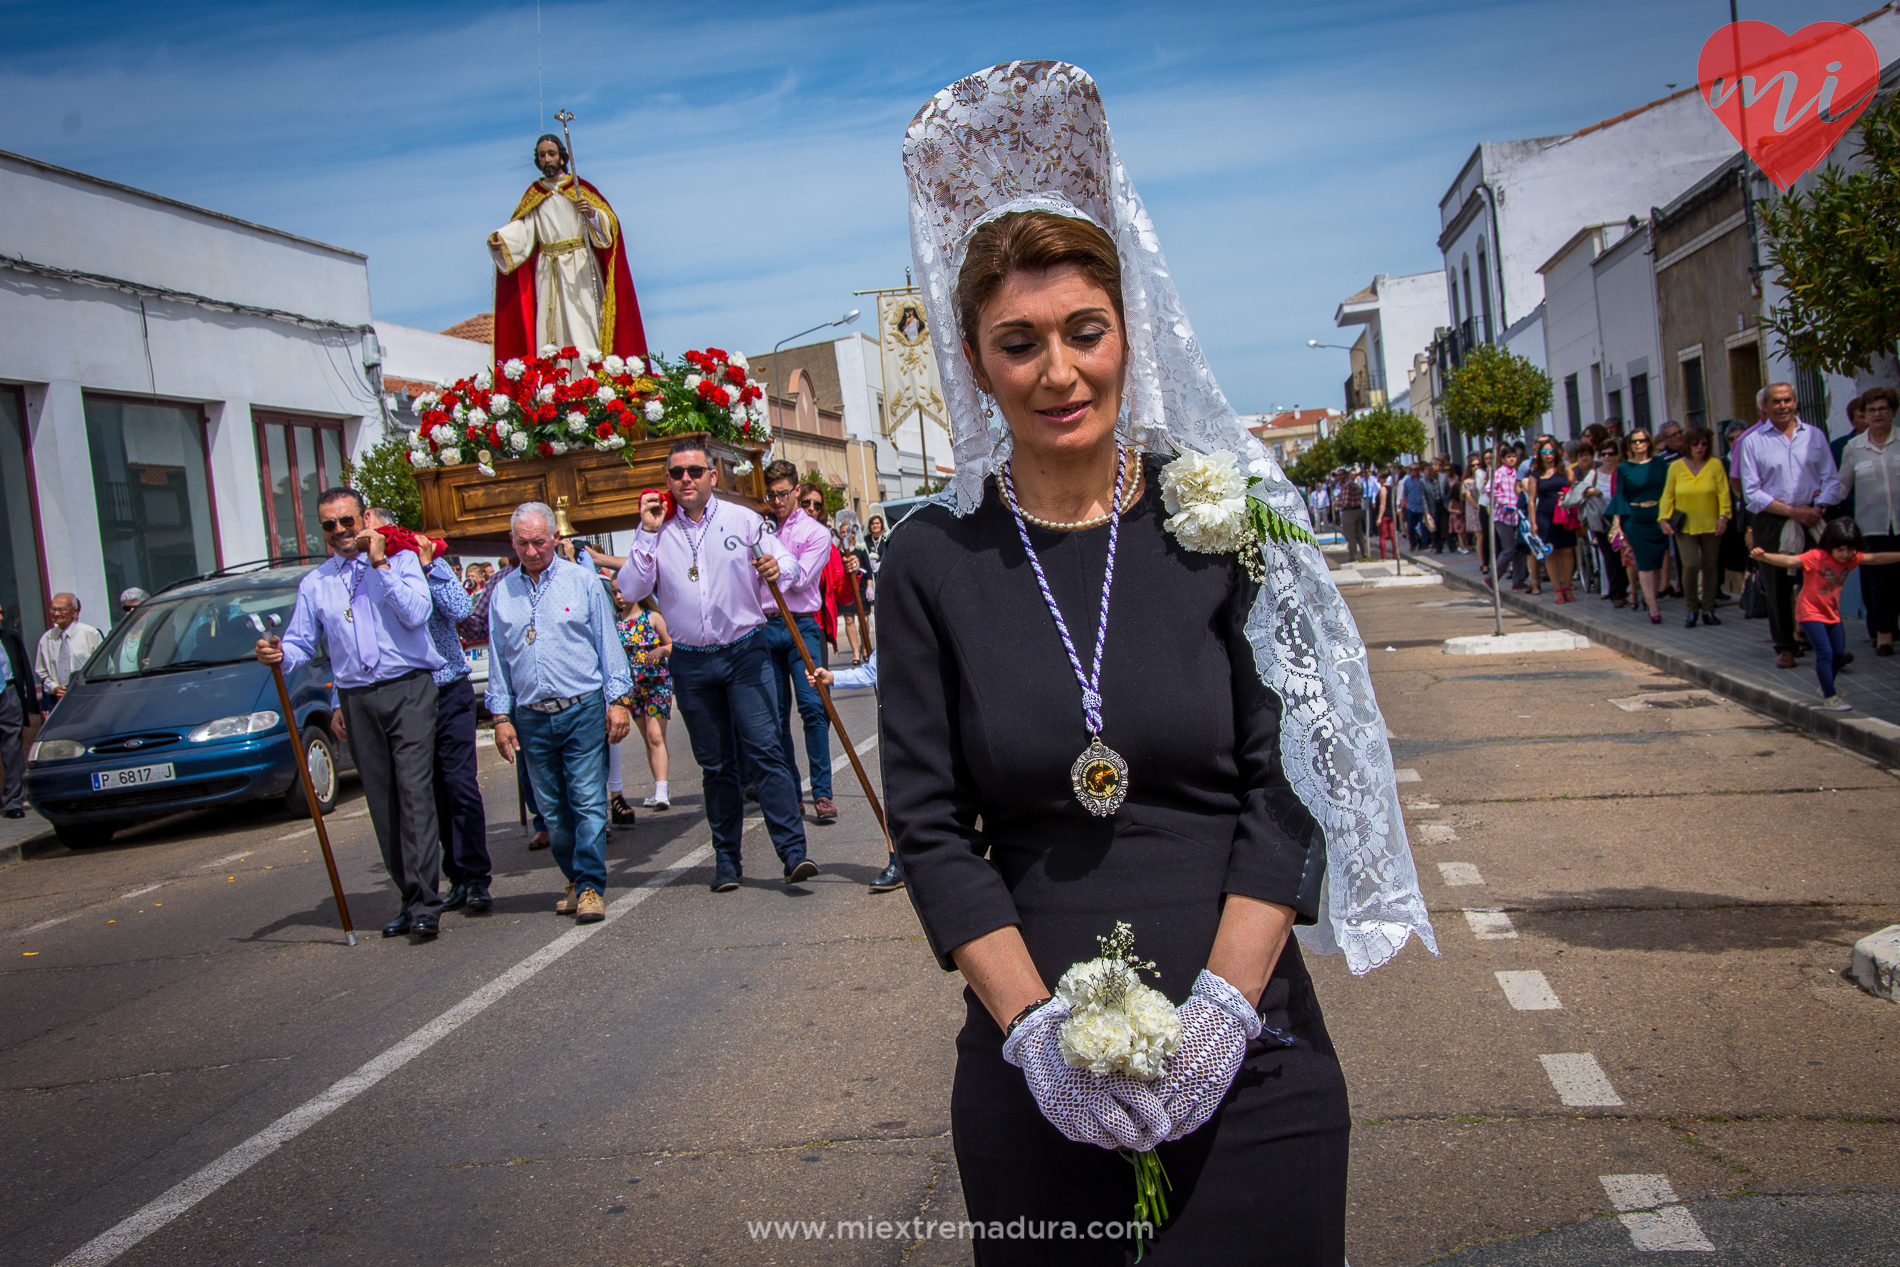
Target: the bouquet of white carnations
(1210, 510)
(1118, 1025)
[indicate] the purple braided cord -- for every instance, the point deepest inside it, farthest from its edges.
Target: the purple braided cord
(1091, 686)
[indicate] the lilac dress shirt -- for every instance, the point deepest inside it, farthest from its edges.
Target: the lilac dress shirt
(809, 543)
(722, 605)
(390, 633)
(1797, 468)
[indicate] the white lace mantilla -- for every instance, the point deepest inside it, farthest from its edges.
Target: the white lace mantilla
(1028, 136)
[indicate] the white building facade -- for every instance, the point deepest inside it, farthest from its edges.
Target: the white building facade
(1400, 315)
(176, 386)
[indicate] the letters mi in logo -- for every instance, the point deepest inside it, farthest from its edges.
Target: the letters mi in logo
(1787, 98)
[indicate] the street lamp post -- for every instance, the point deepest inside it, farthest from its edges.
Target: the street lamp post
(845, 320)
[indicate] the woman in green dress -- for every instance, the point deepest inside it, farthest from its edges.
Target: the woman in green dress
(1639, 488)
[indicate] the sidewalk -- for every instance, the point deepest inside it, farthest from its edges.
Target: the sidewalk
(1735, 658)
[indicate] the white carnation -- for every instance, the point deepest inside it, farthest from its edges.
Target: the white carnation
(1097, 1039)
(558, 447)
(443, 433)
(476, 418)
(459, 412)
(486, 469)
(514, 369)
(738, 358)
(1220, 528)
(484, 380)
(420, 458)
(655, 411)
(499, 403)
(614, 365)
(636, 366)
(577, 423)
(590, 355)
(693, 381)
(617, 442)
(451, 457)
(1206, 497)
(518, 441)
(547, 351)
(546, 394)
(604, 394)
(744, 468)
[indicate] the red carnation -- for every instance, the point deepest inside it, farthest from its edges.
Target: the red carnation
(546, 449)
(735, 376)
(474, 433)
(717, 354)
(750, 394)
(604, 430)
(569, 353)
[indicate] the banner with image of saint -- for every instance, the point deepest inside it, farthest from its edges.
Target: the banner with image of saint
(911, 383)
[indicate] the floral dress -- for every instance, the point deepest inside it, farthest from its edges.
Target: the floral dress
(652, 692)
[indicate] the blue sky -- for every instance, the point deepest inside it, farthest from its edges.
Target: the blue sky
(1287, 152)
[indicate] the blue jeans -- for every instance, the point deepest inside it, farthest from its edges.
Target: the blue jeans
(567, 761)
(726, 699)
(786, 663)
(1829, 642)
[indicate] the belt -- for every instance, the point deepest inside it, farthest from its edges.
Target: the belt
(564, 247)
(558, 705)
(387, 681)
(773, 615)
(1646, 505)
(720, 646)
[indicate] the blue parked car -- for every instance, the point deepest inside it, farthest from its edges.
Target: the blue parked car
(173, 712)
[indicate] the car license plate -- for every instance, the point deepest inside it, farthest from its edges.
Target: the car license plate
(132, 776)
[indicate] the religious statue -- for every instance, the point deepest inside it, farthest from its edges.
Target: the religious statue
(561, 273)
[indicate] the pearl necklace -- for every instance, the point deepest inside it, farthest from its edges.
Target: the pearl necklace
(1127, 500)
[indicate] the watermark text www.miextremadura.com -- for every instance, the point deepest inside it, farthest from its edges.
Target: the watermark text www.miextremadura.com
(943, 1230)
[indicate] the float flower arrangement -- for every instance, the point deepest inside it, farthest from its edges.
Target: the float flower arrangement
(564, 400)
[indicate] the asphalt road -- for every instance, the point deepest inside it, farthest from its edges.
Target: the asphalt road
(196, 1069)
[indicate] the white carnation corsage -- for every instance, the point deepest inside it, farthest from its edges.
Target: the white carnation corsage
(1118, 1025)
(1209, 510)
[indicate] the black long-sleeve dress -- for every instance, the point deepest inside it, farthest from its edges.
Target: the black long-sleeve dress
(982, 718)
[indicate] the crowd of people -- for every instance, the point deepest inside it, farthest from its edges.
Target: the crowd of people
(1771, 514)
(583, 649)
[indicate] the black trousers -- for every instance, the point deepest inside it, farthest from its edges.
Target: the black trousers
(1778, 583)
(461, 817)
(1880, 587)
(392, 735)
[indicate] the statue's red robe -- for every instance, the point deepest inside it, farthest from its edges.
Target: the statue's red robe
(621, 332)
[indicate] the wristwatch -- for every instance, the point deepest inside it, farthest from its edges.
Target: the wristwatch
(625, 701)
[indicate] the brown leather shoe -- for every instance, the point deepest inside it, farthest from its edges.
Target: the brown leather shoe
(1785, 660)
(592, 908)
(567, 904)
(824, 811)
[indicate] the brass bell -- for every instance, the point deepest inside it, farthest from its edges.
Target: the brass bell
(562, 527)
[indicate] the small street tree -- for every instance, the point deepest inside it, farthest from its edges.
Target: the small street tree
(1314, 465)
(385, 478)
(1380, 435)
(1838, 250)
(1493, 393)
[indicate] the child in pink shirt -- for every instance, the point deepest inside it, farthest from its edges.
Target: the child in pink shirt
(1817, 608)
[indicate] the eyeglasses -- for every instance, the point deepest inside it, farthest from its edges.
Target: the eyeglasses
(813, 503)
(779, 496)
(685, 472)
(347, 521)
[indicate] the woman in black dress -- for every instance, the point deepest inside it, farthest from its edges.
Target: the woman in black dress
(1545, 485)
(1214, 854)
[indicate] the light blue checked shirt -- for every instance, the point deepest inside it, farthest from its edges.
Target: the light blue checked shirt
(451, 605)
(576, 648)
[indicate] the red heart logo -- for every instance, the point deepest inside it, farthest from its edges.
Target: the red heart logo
(1787, 98)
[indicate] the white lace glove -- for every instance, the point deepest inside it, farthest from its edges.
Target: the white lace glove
(1107, 1110)
(1216, 1023)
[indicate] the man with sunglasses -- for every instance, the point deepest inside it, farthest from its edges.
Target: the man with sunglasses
(704, 565)
(808, 542)
(372, 608)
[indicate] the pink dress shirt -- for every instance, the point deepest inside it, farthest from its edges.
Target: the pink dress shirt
(809, 544)
(722, 605)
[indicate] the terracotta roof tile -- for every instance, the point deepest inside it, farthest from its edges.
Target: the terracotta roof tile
(479, 328)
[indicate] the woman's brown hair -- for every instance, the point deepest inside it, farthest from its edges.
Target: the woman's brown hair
(1031, 242)
(1692, 436)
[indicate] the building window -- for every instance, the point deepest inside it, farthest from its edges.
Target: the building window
(1616, 406)
(1573, 405)
(1484, 292)
(21, 591)
(1639, 400)
(1810, 391)
(297, 458)
(152, 485)
(1695, 411)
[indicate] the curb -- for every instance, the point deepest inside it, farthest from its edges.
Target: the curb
(1866, 735)
(10, 853)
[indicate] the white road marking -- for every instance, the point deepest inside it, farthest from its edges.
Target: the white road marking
(844, 763)
(108, 1245)
(1418, 805)
(1529, 992)
(1405, 776)
(142, 890)
(301, 831)
(361, 813)
(1434, 833)
(1457, 874)
(1656, 1223)
(45, 924)
(233, 857)
(1580, 1080)
(1490, 924)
